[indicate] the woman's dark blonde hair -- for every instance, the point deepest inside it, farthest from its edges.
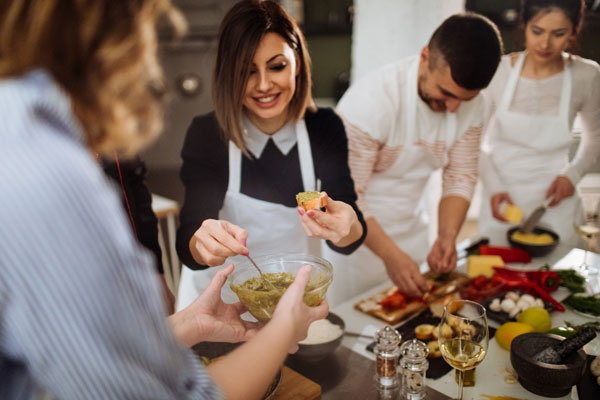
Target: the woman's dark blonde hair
(240, 33)
(102, 53)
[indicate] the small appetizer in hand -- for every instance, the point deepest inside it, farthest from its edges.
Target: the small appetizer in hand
(311, 200)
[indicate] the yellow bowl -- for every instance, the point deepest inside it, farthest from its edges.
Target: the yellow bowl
(261, 302)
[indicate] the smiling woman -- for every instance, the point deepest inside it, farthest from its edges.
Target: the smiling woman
(264, 143)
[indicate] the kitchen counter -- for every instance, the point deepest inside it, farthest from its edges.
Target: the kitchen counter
(490, 374)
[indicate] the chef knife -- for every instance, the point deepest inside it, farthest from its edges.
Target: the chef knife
(535, 217)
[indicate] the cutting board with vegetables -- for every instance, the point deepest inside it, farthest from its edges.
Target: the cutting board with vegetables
(392, 306)
(296, 386)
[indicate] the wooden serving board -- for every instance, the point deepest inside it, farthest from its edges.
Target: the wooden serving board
(440, 289)
(294, 386)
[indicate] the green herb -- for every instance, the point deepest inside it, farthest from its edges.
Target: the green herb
(591, 324)
(585, 304)
(571, 280)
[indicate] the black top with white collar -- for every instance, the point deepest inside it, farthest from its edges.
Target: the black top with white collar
(273, 176)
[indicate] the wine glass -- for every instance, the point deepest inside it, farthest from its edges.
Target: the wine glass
(589, 231)
(463, 336)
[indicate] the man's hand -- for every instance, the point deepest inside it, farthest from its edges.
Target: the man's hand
(209, 319)
(404, 272)
(560, 189)
(442, 257)
(496, 201)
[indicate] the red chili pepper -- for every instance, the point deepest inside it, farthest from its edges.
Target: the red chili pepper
(508, 254)
(394, 301)
(547, 280)
(525, 284)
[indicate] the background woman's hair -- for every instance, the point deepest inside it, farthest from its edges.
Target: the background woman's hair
(573, 9)
(239, 36)
(102, 53)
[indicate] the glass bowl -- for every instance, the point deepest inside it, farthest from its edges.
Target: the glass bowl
(261, 298)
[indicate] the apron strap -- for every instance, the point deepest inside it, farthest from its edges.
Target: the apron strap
(565, 96)
(307, 168)
(511, 84)
(235, 168)
(410, 103)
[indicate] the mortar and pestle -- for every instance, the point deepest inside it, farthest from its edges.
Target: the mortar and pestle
(542, 378)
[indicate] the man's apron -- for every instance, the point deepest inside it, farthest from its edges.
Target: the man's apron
(393, 197)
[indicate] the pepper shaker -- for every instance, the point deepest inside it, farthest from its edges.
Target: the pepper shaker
(387, 353)
(413, 367)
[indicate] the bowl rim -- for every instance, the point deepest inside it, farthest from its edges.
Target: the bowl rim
(275, 257)
(515, 228)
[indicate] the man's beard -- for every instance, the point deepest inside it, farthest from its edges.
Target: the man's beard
(433, 104)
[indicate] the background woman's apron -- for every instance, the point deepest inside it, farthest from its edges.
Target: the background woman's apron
(529, 151)
(393, 197)
(272, 228)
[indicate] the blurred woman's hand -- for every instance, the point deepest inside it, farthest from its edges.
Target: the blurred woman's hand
(216, 240)
(292, 312)
(209, 319)
(496, 201)
(339, 224)
(560, 189)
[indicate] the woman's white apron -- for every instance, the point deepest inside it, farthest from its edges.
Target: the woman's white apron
(272, 228)
(529, 151)
(393, 197)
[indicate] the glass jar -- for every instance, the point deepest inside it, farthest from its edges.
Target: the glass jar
(413, 367)
(387, 353)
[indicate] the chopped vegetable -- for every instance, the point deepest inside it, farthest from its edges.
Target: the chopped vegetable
(563, 331)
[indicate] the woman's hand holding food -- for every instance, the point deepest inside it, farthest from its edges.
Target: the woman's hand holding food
(404, 273)
(496, 201)
(339, 224)
(209, 319)
(293, 314)
(216, 240)
(560, 189)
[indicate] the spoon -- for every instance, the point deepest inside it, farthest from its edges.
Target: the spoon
(260, 272)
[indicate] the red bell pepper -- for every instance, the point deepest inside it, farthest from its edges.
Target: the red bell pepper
(398, 300)
(547, 280)
(514, 282)
(508, 254)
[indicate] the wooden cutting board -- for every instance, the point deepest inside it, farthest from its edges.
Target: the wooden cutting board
(453, 281)
(294, 386)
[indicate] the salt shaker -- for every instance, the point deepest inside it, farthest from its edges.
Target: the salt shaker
(387, 353)
(413, 367)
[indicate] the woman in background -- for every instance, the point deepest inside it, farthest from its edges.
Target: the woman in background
(81, 313)
(530, 107)
(244, 163)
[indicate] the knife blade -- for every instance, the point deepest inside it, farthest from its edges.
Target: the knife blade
(534, 217)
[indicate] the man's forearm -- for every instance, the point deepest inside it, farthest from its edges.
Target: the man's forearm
(378, 241)
(451, 215)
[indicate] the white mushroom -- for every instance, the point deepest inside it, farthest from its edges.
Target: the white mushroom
(514, 312)
(523, 304)
(507, 305)
(528, 298)
(514, 296)
(539, 302)
(495, 305)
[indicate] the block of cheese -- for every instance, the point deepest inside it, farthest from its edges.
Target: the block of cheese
(483, 265)
(513, 214)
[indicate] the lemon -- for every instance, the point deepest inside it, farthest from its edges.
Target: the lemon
(510, 330)
(537, 317)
